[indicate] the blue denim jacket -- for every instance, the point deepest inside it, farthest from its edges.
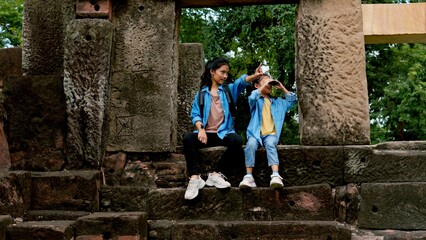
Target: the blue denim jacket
(279, 108)
(227, 125)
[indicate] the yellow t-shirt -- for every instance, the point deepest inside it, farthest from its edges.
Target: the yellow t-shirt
(268, 126)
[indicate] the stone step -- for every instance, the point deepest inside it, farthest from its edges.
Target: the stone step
(393, 206)
(98, 225)
(41, 230)
(53, 215)
(388, 234)
(65, 190)
(312, 202)
(299, 165)
(262, 230)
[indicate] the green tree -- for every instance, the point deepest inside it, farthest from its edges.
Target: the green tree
(11, 12)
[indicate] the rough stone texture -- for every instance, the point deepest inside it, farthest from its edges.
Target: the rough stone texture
(74, 190)
(143, 114)
(364, 164)
(390, 234)
(15, 193)
(10, 63)
(262, 230)
(53, 215)
(211, 203)
(314, 202)
(86, 84)
(330, 73)
(299, 165)
(36, 120)
(405, 145)
(5, 221)
(41, 230)
(308, 203)
(146, 170)
(347, 201)
(44, 24)
(113, 225)
(121, 199)
(191, 66)
(5, 162)
(393, 206)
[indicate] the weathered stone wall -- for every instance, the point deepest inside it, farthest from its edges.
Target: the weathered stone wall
(330, 73)
(143, 113)
(191, 66)
(10, 65)
(43, 35)
(86, 84)
(36, 121)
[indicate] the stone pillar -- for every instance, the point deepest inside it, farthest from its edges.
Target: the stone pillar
(86, 84)
(330, 73)
(143, 110)
(191, 66)
(43, 35)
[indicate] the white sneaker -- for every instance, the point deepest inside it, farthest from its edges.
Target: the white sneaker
(217, 180)
(193, 186)
(248, 182)
(276, 181)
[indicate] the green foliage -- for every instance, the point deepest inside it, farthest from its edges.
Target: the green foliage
(11, 12)
(397, 91)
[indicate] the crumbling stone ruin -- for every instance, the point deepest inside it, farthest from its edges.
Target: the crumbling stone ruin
(94, 110)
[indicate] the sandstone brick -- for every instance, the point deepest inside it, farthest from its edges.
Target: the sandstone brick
(330, 73)
(88, 44)
(44, 25)
(393, 206)
(121, 199)
(143, 107)
(191, 66)
(36, 122)
(113, 225)
(365, 164)
(73, 190)
(41, 230)
(264, 230)
(15, 189)
(94, 9)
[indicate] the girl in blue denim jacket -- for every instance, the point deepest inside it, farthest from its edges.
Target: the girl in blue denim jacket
(215, 126)
(264, 129)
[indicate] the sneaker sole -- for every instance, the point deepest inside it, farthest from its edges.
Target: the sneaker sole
(276, 185)
(213, 185)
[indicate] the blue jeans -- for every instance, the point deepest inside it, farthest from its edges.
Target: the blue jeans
(270, 142)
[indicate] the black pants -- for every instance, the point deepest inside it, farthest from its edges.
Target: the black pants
(232, 157)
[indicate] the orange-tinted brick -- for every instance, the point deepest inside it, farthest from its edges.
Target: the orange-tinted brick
(94, 9)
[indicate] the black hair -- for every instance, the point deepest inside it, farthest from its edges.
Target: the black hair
(215, 63)
(260, 79)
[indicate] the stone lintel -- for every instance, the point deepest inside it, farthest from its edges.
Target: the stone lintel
(394, 23)
(393, 206)
(94, 9)
(228, 3)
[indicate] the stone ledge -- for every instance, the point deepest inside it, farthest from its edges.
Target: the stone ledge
(263, 230)
(313, 202)
(113, 224)
(393, 206)
(41, 230)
